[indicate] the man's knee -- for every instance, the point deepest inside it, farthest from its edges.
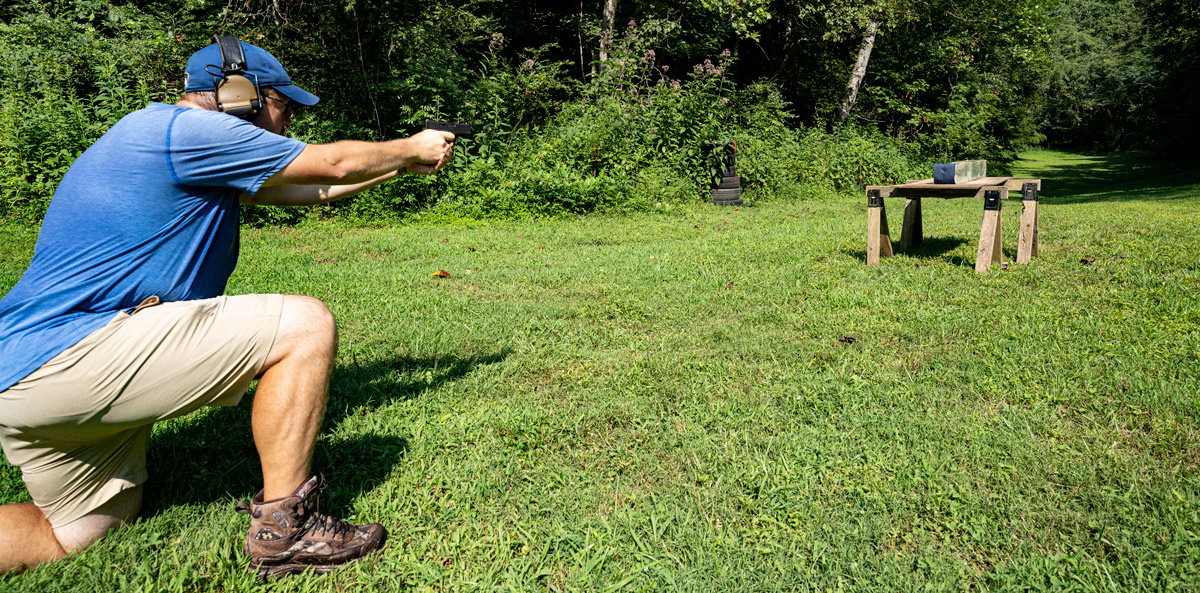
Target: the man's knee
(305, 326)
(307, 316)
(83, 532)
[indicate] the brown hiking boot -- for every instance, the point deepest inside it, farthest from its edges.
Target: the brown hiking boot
(290, 535)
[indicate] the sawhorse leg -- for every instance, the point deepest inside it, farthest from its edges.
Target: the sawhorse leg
(1027, 247)
(990, 241)
(879, 243)
(910, 231)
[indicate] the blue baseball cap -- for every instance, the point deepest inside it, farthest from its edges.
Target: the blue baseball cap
(204, 69)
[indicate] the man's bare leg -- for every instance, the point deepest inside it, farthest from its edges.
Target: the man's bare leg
(287, 532)
(288, 408)
(27, 539)
(290, 400)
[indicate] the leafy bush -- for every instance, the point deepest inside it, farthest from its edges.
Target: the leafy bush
(636, 136)
(852, 158)
(776, 161)
(769, 152)
(68, 77)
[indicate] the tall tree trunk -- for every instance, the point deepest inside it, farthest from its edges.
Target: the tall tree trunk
(606, 29)
(579, 32)
(860, 68)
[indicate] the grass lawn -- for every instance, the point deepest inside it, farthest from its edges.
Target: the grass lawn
(666, 402)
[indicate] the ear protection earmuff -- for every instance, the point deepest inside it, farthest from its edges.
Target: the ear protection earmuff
(237, 90)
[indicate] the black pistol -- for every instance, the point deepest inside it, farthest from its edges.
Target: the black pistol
(460, 130)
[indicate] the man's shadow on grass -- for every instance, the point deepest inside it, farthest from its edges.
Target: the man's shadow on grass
(929, 248)
(209, 456)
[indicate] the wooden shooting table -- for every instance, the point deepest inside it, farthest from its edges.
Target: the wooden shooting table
(993, 190)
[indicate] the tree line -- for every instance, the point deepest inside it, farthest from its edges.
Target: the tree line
(606, 104)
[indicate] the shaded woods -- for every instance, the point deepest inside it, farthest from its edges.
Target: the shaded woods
(607, 105)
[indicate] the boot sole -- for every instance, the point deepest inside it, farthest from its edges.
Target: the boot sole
(278, 571)
(270, 572)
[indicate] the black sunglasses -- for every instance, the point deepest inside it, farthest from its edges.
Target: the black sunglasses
(289, 106)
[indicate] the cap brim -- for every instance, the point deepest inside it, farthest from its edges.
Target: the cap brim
(297, 94)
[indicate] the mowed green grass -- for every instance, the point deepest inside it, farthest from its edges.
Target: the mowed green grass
(672, 401)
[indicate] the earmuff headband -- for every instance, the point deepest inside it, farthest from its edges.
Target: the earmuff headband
(237, 91)
(233, 59)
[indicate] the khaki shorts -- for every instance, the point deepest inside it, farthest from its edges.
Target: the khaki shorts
(78, 427)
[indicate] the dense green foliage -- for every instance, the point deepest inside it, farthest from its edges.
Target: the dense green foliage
(560, 132)
(1103, 76)
(1124, 74)
(1175, 125)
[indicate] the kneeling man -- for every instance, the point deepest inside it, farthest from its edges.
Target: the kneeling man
(120, 320)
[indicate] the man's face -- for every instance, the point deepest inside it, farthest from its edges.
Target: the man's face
(276, 114)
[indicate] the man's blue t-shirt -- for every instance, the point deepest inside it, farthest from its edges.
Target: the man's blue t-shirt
(150, 209)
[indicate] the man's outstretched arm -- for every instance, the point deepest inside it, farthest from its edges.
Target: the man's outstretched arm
(327, 172)
(293, 194)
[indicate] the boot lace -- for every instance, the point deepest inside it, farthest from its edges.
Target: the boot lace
(314, 520)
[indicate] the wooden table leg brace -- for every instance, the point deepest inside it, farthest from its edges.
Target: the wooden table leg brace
(879, 243)
(911, 231)
(1027, 247)
(990, 242)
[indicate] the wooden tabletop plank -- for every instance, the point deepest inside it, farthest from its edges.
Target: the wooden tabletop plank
(926, 187)
(973, 184)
